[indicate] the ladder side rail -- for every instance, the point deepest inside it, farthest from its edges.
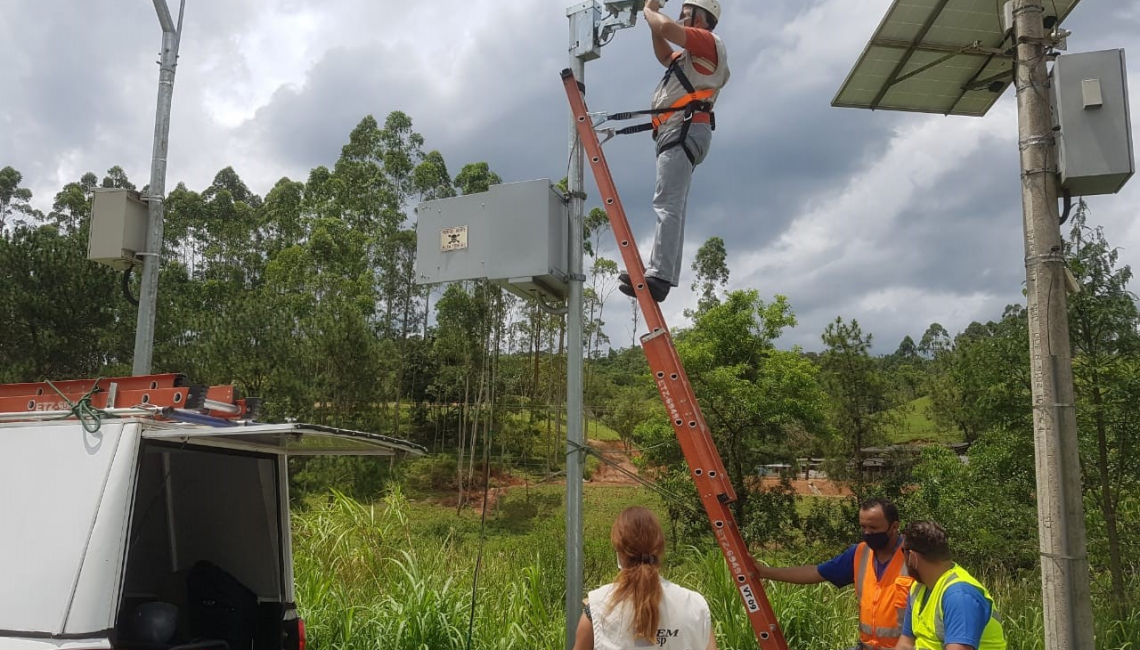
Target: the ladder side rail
(708, 456)
(52, 401)
(31, 389)
(692, 433)
(709, 482)
(684, 412)
(689, 410)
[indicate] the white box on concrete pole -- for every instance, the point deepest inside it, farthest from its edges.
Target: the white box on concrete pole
(514, 235)
(118, 228)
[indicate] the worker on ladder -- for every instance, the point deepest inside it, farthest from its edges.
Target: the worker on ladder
(682, 126)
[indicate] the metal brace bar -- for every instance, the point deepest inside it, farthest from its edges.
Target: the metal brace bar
(936, 62)
(984, 83)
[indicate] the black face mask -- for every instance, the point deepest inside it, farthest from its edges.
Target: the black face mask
(877, 541)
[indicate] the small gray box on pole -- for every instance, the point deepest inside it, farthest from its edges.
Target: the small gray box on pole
(1091, 108)
(514, 235)
(118, 228)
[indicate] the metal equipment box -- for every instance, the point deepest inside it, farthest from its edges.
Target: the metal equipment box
(514, 234)
(1090, 99)
(118, 228)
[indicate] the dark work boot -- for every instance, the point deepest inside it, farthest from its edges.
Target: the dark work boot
(658, 288)
(625, 285)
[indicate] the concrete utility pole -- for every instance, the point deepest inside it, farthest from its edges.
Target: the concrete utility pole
(152, 258)
(1060, 513)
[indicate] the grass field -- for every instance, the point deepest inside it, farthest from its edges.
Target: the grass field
(399, 575)
(916, 425)
(595, 430)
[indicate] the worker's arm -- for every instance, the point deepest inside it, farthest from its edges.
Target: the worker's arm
(712, 640)
(661, 49)
(958, 646)
(664, 27)
(584, 637)
(799, 575)
(907, 643)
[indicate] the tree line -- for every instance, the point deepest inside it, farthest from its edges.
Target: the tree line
(307, 298)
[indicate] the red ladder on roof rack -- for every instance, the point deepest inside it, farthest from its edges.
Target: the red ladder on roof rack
(681, 403)
(163, 391)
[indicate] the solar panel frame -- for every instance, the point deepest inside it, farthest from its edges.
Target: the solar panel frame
(949, 57)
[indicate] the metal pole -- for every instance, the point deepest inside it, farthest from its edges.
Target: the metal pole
(574, 433)
(152, 259)
(1060, 513)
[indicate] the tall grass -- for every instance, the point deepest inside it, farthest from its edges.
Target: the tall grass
(812, 617)
(398, 576)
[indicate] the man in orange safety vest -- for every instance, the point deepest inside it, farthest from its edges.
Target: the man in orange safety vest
(875, 566)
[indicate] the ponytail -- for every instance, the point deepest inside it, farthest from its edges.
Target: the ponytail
(639, 541)
(640, 586)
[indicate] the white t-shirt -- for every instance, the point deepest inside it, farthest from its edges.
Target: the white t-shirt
(684, 623)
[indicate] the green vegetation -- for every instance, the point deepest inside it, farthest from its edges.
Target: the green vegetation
(596, 430)
(399, 574)
(307, 298)
(916, 425)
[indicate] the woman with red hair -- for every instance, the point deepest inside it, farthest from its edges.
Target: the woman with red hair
(641, 608)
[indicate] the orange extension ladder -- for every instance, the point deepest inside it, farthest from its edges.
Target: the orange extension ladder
(169, 396)
(705, 463)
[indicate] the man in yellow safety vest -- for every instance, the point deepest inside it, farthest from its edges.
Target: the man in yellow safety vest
(947, 609)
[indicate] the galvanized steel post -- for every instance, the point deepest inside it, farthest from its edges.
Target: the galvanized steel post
(574, 434)
(152, 258)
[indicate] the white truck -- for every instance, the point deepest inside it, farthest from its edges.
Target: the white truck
(101, 533)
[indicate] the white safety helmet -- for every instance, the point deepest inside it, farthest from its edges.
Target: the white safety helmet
(711, 6)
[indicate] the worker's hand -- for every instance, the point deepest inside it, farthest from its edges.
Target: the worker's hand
(653, 5)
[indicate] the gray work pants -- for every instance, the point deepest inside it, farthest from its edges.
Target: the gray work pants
(674, 173)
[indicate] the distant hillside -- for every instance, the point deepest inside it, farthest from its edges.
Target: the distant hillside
(917, 425)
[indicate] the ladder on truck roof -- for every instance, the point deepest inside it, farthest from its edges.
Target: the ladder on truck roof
(168, 396)
(688, 423)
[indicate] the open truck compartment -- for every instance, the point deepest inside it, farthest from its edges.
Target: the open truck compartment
(158, 529)
(208, 533)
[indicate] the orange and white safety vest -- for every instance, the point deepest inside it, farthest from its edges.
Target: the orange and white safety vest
(683, 84)
(882, 601)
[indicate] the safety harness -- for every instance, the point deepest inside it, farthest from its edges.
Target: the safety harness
(693, 102)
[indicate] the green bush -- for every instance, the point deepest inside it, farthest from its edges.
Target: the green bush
(771, 515)
(434, 472)
(985, 506)
(830, 523)
(361, 477)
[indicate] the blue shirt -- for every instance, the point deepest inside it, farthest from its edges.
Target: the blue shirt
(965, 613)
(840, 570)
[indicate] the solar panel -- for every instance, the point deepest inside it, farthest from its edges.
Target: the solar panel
(937, 56)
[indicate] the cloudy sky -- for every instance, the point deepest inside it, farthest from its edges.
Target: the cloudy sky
(896, 220)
